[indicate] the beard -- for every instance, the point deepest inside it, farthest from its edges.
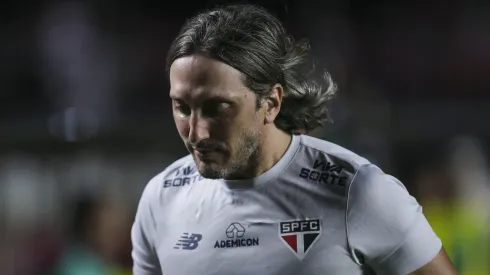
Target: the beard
(244, 159)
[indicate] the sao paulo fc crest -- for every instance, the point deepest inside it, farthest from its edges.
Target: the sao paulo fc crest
(300, 236)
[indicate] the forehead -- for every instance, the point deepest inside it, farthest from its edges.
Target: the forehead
(195, 77)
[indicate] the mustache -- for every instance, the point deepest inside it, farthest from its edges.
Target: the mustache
(206, 144)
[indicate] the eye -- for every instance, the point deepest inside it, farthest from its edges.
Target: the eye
(216, 109)
(181, 108)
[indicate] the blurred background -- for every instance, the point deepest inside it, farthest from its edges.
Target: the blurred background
(85, 119)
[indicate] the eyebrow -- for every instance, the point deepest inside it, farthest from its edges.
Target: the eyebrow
(174, 96)
(208, 98)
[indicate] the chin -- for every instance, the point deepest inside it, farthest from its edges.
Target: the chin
(212, 170)
(208, 173)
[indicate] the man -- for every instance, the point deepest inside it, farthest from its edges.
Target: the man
(254, 196)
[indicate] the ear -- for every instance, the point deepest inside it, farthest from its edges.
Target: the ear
(273, 103)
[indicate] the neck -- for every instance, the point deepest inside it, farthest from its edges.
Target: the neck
(273, 146)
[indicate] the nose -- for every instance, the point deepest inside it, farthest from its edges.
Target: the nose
(198, 128)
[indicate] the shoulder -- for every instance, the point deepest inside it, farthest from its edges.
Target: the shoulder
(365, 182)
(315, 146)
(372, 191)
(385, 224)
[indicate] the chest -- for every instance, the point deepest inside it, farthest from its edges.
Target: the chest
(252, 234)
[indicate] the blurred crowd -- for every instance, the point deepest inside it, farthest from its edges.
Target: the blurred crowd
(85, 120)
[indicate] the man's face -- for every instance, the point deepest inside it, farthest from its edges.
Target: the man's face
(216, 116)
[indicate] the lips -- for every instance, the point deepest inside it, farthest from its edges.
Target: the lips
(200, 153)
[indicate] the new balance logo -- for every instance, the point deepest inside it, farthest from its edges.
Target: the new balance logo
(188, 241)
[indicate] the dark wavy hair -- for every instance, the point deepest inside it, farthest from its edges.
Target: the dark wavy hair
(254, 42)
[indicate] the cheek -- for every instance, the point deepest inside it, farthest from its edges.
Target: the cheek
(240, 133)
(182, 127)
(244, 123)
(230, 130)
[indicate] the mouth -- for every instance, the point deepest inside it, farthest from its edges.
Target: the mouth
(204, 154)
